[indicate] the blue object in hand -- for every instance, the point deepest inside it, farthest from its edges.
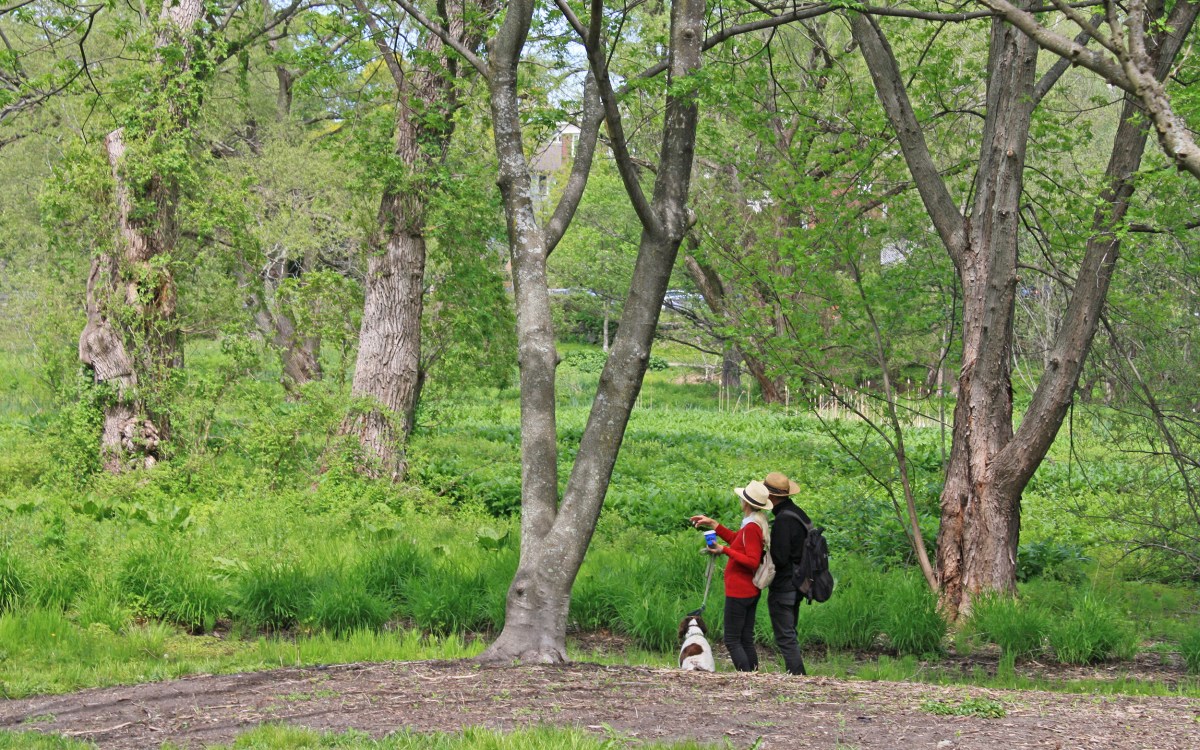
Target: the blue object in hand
(710, 538)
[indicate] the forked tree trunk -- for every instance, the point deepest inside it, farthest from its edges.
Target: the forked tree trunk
(299, 355)
(980, 521)
(131, 339)
(990, 465)
(555, 537)
(387, 374)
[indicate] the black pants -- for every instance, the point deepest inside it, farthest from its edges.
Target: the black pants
(784, 608)
(739, 632)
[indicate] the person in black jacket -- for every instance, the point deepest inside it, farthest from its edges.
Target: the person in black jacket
(788, 532)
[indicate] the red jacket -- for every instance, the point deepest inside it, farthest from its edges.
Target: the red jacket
(745, 552)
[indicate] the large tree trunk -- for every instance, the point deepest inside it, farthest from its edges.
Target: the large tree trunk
(980, 521)
(389, 351)
(554, 538)
(387, 372)
(131, 339)
(990, 465)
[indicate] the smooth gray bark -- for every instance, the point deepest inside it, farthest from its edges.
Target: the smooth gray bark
(554, 538)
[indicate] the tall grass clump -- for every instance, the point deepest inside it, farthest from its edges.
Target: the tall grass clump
(1094, 631)
(852, 618)
(1017, 627)
(60, 584)
(600, 585)
(651, 591)
(464, 590)
(103, 605)
(391, 570)
(1189, 648)
(13, 585)
(911, 621)
(651, 616)
(341, 604)
(272, 595)
(162, 580)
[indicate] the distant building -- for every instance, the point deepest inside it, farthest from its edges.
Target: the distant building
(551, 160)
(895, 252)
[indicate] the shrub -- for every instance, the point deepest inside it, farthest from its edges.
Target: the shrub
(911, 621)
(1015, 626)
(592, 361)
(1093, 632)
(1061, 562)
(586, 360)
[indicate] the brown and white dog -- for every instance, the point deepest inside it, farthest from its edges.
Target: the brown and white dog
(695, 654)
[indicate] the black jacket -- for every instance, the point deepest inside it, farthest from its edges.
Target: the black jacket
(787, 542)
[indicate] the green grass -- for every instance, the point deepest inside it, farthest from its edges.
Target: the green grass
(911, 669)
(44, 652)
(278, 737)
(1016, 626)
(38, 741)
(983, 708)
(255, 530)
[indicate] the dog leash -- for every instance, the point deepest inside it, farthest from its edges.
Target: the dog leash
(707, 582)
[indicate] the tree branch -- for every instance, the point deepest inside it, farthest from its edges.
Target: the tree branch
(445, 35)
(894, 97)
(585, 150)
(1128, 72)
(389, 54)
(618, 141)
(1051, 76)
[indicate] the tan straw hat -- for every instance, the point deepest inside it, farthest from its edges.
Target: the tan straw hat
(779, 484)
(754, 494)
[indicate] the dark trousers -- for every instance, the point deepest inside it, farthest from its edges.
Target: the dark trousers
(784, 608)
(739, 632)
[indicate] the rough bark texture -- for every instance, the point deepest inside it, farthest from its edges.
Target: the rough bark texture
(980, 519)
(554, 539)
(299, 355)
(387, 373)
(990, 465)
(131, 339)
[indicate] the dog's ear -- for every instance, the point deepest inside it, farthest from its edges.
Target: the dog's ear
(683, 627)
(700, 624)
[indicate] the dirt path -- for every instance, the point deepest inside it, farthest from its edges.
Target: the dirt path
(637, 702)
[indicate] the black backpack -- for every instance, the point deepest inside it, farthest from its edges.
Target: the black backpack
(811, 575)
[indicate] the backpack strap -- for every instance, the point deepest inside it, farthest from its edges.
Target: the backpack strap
(808, 525)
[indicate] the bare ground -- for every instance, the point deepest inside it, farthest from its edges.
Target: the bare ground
(777, 711)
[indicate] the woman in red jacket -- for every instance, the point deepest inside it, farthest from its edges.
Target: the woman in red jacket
(745, 552)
